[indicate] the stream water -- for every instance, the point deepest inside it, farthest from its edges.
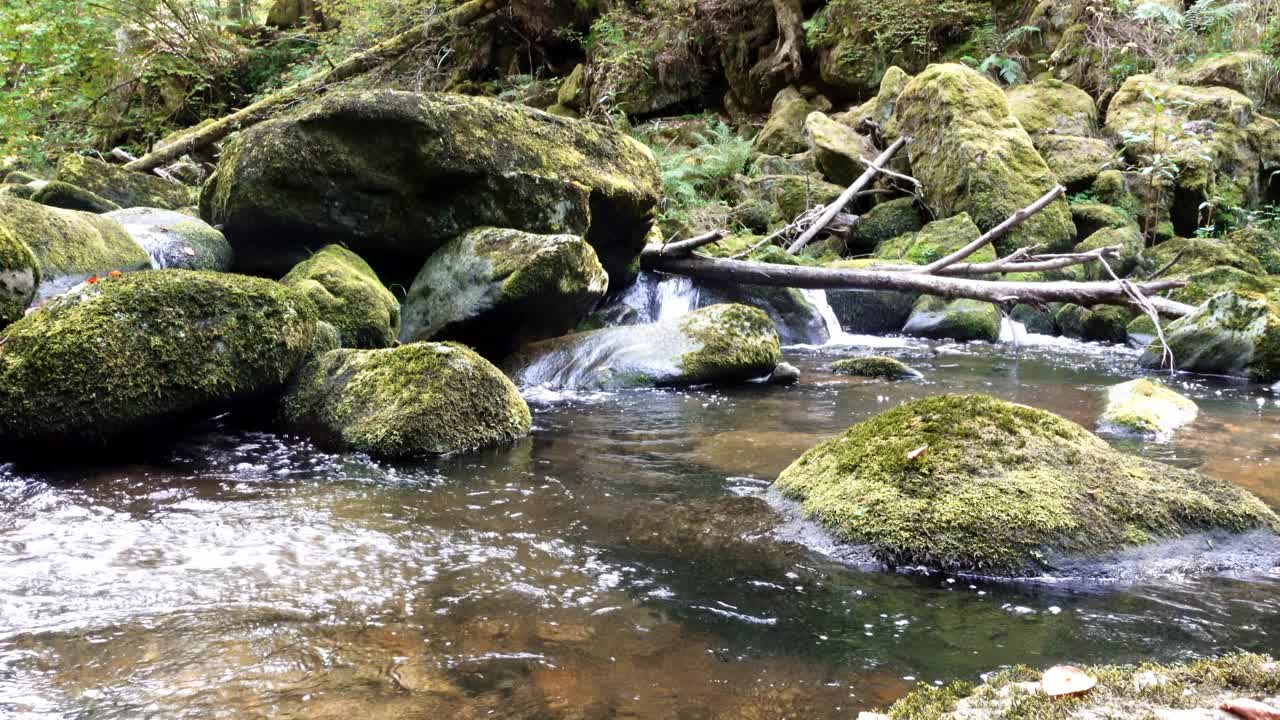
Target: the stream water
(244, 574)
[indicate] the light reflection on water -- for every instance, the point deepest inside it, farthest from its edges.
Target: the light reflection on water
(581, 573)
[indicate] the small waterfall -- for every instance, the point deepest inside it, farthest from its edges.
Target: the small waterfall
(675, 297)
(818, 299)
(1012, 331)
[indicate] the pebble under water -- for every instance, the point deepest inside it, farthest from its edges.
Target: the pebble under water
(244, 574)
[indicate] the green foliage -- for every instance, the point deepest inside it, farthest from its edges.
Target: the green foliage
(902, 32)
(695, 178)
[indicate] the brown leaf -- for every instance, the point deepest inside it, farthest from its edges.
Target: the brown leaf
(1064, 680)
(917, 452)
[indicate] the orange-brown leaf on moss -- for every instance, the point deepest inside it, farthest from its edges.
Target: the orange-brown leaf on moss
(114, 273)
(92, 279)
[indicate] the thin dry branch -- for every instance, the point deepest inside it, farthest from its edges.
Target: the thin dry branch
(994, 233)
(834, 208)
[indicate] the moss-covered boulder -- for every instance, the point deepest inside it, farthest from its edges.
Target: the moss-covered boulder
(68, 245)
(396, 175)
(1234, 333)
(720, 344)
(349, 296)
(413, 400)
(22, 192)
(1052, 107)
(19, 275)
(1192, 691)
(145, 352)
(497, 289)
(1104, 323)
(790, 195)
(1251, 74)
(1146, 408)
(783, 133)
(874, 366)
(883, 222)
(837, 149)
(1225, 150)
(69, 197)
(1076, 161)
(1090, 217)
(123, 187)
(935, 241)
(175, 240)
(972, 483)
(1195, 255)
(963, 320)
(1127, 239)
(1262, 243)
(1219, 279)
(879, 109)
(796, 319)
(972, 155)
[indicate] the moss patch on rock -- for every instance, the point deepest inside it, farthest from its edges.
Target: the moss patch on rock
(737, 343)
(837, 148)
(68, 245)
(1147, 408)
(348, 295)
(972, 155)
(874, 366)
(1000, 488)
(19, 274)
(962, 320)
(69, 197)
(416, 399)
(783, 132)
(1234, 333)
(141, 352)
(1189, 690)
(175, 240)
(883, 222)
(935, 241)
(496, 289)
(123, 187)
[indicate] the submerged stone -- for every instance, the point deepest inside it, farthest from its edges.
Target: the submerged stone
(972, 155)
(719, 344)
(497, 289)
(874, 366)
(971, 483)
(349, 296)
(396, 175)
(68, 245)
(123, 187)
(145, 352)
(174, 240)
(1147, 408)
(1234, 333)
(412, 400)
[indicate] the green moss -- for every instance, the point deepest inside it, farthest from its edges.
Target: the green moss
(17, 177)
(138, 352)
(837, 149)
(737, 343)
(973, 156)
(1261, 244)
(934, 242)
(175, 240)
(348, 294)
(19, 274)
(1209, 282)
(1090, 217)
(496, 289)
(1196, 255)
(1049, 106)
(69, 243)
(962, 320)
(1075, 160)
(874, 366)
(883, 222)
(22, 192)
(1144, 690)
(69, 197)
(123, 187)
(1127, 238)
(1105, 323)
(1000, 488)
(416, 399)
(1233, 333)
(1146, 407)
(792, 195)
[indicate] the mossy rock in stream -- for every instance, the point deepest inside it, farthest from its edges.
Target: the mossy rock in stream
(145, 352)
(396, 175)
(68, 245)
(1196, 255)
(1146, 408)
(496, 289)
(69, 197)
(963, 320)
(123, 187)
(1105, 323)
(719, 344)
(408, 401)
(974, 484)
(175, 240)
(1234, 333)
(1192, 691)
(874, 366)
(973, 156)
(19, 274)
(348, 295)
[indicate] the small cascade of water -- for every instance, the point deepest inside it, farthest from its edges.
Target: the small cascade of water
(1012, 331)
(675, 297)
(836, 336)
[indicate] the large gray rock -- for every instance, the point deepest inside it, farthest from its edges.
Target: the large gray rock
(962, 320)
(1233, 333)
(717, 344)
(396, 175)
(496, 289)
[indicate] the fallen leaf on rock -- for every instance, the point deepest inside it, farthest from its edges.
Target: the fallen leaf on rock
(1250, 709)
(1064, 680)
(917, 452)
(92, 279)
(114, 273)
(188, 250)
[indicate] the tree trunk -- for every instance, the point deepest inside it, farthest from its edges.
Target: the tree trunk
(353, 66)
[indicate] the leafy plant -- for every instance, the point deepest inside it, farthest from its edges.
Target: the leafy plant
(701, 176)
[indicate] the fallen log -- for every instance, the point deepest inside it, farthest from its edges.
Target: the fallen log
(357, 64)
(999, 292)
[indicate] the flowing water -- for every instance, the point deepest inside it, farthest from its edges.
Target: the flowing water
(244, 574)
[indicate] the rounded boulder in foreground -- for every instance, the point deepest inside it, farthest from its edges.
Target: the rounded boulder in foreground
(974, 484)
